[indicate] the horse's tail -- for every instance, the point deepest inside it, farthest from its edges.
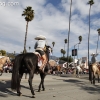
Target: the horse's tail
(15, 76)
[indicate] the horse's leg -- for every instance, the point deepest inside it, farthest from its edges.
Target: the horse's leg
(42, 75)
(94, 78)
(31, 75)
(98, 77)
(18, 84)
(91, 79)
(76, 72)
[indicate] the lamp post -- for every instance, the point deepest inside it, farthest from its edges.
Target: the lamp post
(74, 52)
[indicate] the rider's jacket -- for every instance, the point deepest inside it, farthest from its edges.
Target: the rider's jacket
(40, 44)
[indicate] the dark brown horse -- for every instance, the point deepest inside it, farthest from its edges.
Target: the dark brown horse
(28, 63)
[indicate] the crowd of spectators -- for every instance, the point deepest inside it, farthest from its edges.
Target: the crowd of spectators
(7, 68)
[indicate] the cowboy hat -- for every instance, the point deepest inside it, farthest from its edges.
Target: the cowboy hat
(92, 54)
(40, 37)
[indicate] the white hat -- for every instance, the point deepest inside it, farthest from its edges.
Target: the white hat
(40, 37)
(92, 54)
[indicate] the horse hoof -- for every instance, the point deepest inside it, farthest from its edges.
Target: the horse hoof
(19, 94)
(38, 90)
(43, 89)
(33, 96)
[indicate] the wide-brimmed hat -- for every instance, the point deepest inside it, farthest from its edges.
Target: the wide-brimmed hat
(92, 54)
(40, 37)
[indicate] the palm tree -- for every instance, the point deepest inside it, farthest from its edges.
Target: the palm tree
(65, 43)
(69, 32)
(91, 2)
(29, 48)
(80, 39)
(98, 39)
(29, 15)
(61, 51)
(53, 44)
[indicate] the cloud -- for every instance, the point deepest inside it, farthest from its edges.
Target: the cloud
(52, 21)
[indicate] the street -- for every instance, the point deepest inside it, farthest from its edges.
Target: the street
(65, 87)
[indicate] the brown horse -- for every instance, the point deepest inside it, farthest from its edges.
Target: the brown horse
(3, 60)
(95, 69)
(58, 69)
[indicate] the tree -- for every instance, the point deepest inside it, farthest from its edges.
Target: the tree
(91, 2)
(29, 48)
(53, 44)
(3, 52)
(80, 38)
(69, 32)
(61, 51)
(65, 43)
(98, 39)
(29, 15)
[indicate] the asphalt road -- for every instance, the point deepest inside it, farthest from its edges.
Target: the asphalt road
(65, 87)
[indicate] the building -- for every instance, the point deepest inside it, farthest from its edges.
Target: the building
(85, 61)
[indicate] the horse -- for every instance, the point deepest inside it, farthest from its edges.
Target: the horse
(94, 69)
(56, 69)
(3, 60)
(28, 63)
(79, 70)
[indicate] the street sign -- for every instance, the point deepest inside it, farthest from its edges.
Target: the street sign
(74, 52)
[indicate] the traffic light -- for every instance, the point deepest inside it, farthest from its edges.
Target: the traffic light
(74, 52)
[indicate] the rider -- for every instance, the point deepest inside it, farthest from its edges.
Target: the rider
(93, 59)
(39, 47)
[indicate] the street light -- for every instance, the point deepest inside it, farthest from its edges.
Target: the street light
(74, 51)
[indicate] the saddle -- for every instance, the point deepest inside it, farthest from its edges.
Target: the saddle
(39, 58)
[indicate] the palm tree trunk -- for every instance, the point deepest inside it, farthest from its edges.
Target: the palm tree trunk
(88, 44)
(25, 37)
(77, 51)
(97, 43)
(64, 46)
(69, 33)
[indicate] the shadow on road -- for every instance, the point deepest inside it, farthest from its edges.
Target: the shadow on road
(82, 82)
(93, 89)
(5, 87)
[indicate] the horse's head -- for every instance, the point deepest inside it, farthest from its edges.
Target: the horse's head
(8, 60)
(48, 49)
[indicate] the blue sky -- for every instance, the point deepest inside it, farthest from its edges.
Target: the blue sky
(52, 20)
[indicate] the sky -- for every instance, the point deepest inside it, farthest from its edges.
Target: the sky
(51, 19)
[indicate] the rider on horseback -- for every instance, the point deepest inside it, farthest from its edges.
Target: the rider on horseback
(39, 47)
(93, 59)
